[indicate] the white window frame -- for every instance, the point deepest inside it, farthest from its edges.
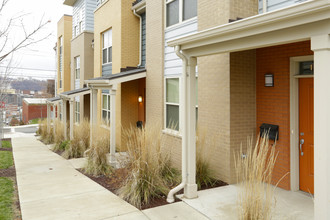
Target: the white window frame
(175, 132)
(107, 110)
(77, 112)
(106, 47)
(77, 67)
(180, 13)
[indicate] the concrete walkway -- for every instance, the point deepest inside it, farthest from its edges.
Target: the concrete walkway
(50, 188)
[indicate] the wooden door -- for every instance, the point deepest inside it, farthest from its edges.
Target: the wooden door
(306, 135)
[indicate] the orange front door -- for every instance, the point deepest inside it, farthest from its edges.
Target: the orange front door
(306, 134)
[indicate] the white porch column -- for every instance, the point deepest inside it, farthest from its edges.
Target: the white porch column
(112, 126)
(64, 118)
(321, 47)
(71, 118)
(48, 117)
(190, 190)
(93, 112)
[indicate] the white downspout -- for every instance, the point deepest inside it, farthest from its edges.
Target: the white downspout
(140, 37)
(264, 6)
(170, 196)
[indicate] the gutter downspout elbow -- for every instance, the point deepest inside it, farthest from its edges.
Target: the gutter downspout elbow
(140, 37)
(170, 196)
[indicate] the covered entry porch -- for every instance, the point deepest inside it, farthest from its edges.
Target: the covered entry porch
(308, 22)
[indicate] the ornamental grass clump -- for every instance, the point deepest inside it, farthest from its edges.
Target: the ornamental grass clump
(150, 173)
(254, 172)
(204, 148)
(45, 136)
(80, 142)
(97, 160)
(59, 139)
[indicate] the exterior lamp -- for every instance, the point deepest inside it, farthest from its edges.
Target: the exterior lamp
(269, 80)
(140, 98)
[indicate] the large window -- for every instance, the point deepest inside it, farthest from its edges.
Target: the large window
(180, 10)
(172, 103)
(60, 110)
(107, 47)
(77, 67)
(106, 109)
(77, 112)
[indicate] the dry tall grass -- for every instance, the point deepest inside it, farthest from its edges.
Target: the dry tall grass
(45, 136)
(256, 194)
(205, 146)
(150, 173)
(59, 135)
(80, 142)
(97, 160)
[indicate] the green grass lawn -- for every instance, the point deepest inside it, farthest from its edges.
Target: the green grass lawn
(6, 198)
(6, 144)
(34, 121)
(6, 159)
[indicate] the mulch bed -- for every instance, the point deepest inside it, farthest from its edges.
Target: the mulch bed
(10, 173)
(117, 179)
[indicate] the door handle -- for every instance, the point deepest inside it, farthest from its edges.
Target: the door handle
(302, 141)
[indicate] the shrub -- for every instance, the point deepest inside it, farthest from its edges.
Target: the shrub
(204, 149)
(254, 171)
(80, 142)
(97, 160)
(149, 166)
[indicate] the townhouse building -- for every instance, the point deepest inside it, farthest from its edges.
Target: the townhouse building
(232, 67)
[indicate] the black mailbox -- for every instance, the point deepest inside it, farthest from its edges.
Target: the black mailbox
(272, 131)
(139, 124)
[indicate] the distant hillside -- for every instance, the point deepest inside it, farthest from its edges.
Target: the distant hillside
(29, 84)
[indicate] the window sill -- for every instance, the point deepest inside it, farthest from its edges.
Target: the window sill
(173, 133)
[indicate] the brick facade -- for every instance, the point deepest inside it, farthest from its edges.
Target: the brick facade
(273, 103)
(32, 111)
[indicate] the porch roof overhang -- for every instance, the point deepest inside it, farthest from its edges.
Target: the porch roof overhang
(76, 92)
(53, 100)
(69, 2)
(105, 82)
(292, 24)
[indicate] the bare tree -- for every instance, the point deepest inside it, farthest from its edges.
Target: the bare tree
(8, 47)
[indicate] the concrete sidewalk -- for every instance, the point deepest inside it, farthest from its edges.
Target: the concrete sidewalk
(50, 188)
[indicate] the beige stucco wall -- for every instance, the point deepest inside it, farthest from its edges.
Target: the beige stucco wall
(82, 46)
(64, 29)
(118, 16)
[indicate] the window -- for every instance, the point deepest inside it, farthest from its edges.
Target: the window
(60, 58)
(106, 109)
(77, 67)
(60, 110)
(107, 47)
(172, 103)
(77, 112)
(180, 10)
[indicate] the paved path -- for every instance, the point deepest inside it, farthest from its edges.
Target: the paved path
(50, 188)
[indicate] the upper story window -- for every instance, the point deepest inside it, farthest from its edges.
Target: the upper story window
(107, 47)
(180, 10)
(78, 24)
(77, 67)
(60, 59)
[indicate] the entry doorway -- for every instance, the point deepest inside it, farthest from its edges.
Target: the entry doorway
(306, 135)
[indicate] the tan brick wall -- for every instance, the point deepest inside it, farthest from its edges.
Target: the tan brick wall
(221, 87)
(155, 61)
(125, 47)
(242, 102)
(273, 103)
(64, 29)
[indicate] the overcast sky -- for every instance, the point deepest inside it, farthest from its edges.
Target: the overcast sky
(37, 61)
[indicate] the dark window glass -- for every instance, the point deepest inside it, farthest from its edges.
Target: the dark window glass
(189, 9)
(172, 119)
(172, 13)
(104, 56)
(110, 54)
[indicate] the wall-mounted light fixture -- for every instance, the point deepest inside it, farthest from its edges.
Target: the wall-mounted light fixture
(269, 80)
(140, 99)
